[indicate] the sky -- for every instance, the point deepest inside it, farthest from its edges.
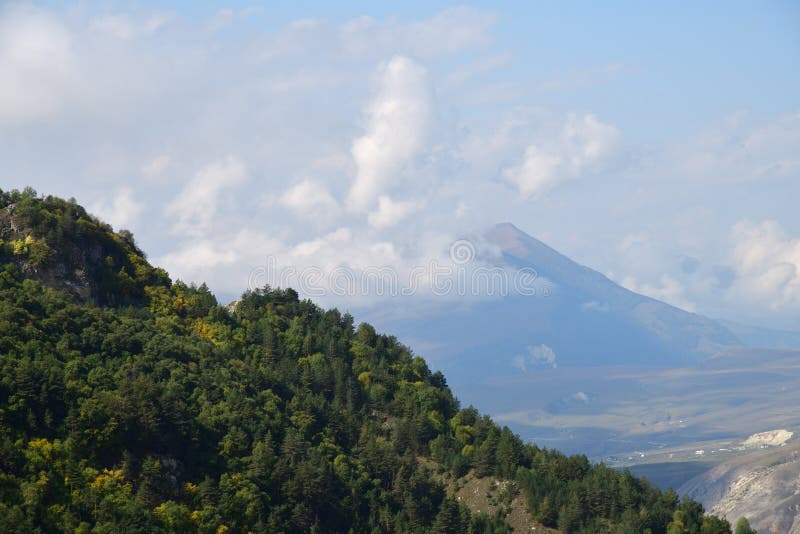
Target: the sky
(658, 143)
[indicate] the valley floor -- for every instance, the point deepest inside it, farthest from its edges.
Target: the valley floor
(606, 412)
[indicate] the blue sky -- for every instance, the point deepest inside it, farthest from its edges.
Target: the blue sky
(655, 142)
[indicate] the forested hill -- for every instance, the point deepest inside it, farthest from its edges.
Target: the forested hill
(58, 243)
(130, 403)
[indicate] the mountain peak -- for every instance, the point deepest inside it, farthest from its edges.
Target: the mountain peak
(587, 316)
(59, 244)
(516, 242)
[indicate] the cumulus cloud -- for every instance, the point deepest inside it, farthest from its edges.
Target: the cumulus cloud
(479, 67)
(38, 67)
(310, 199)
(122, 26)
(584, 142)
(220, 258)
(195, 206)
(449, 32)
(121, 211)
(581, 397)
(397, 124)
(390, 212)
(767, 263)
(157, 166)
(538, 356)
(593, 305)
(742, 148)
(667, 289)
(438, 140)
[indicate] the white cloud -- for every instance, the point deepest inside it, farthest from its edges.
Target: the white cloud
(122, 26)
(122, 211)
(767, 263)
(390, 212)
(87, 98)
(582, 397)
(539, 356)
(479, 67)
(397, 124)
(38, 67)
(631, 241)
(584, 142)
(742, 149)
(449, 32)
(593, 305)
(195, 206)
(198, 260)
(157, 166)
(667, 289)
(310, 199)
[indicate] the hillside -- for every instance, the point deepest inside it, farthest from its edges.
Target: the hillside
(130, 403)
(58, 243)
(763, 485)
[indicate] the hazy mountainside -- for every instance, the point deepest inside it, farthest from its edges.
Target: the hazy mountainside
(143, 406)
(583, 319)
(754, 336)
(763, 486)
(587, 366)
(681, 333)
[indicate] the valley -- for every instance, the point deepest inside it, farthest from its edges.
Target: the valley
(608, 411)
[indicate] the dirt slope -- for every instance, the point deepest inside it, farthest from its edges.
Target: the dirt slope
(763, 486)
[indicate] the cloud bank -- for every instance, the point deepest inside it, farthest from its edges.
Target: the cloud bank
(375, 142)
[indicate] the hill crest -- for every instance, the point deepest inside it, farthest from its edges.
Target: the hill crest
(58, 243)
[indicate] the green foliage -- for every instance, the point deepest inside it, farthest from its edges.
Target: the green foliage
(176, 415)
(58, 242)
(743, 527)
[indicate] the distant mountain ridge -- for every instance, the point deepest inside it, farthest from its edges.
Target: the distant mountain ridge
(705, 335)
(754, 336)
(585, 319)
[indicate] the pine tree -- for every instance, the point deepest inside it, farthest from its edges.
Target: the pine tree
(743, 527)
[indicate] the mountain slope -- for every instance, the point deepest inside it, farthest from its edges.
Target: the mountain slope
(753, 336)
(175, 414)
(680, 331)
(583, 319)
(763, 486)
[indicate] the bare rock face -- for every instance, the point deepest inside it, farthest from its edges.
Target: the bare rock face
(763, 486)
(771, 438)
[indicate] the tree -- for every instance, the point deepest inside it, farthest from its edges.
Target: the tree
(743, 527)
(448, 520)
(715, 525)
(509, 453)
(569, 517)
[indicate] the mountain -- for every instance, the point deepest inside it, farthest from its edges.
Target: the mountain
(131, 403)
(588, 366)
(580, 319)
(762, 486)
(679, 333)
(753, 336)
